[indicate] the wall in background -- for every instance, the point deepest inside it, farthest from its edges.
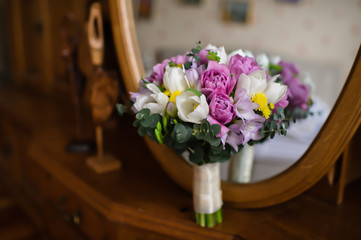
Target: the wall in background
(322, 36)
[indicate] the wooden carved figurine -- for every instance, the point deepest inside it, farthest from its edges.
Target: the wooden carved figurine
(104, 92)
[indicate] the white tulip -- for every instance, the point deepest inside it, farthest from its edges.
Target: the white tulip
(155, 102)
(248, 53)
(192, 108)
(221, 53)
(174, 79)
(235, 52)
(263, 61)
(256, 82)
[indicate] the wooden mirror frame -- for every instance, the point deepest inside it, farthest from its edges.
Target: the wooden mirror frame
(336, 133)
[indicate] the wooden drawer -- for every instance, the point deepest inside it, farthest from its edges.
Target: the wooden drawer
(63, 204)
(74, 211)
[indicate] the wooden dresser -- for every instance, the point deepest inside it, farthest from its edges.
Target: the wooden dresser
(67, 200)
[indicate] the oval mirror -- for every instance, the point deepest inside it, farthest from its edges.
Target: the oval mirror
(314, 162)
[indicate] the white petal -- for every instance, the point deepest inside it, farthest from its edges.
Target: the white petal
(275, 92)
(248, 53)
(153, 88)
(235, 52)
(141, 100)
(263, 61)
(185, 104)
(174, 79)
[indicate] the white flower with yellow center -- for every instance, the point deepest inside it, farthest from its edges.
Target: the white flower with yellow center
(191, 107)
(266, 93)
(175, 79)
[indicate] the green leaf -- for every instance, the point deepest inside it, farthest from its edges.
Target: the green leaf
(187, 65)
(136, 123)
(150, 121)
(142, 114)
(159, 127)
(281, 112)
(198, 93)
(121, 109)
(215, 128)
(158, 135)
(272, 135)
(213, 56)
(181, 133)
(275, 117)
(165, 123)
(195, 50)
(198, 58)
(142, 131)
(273, 126)
(171, 64)
(196, 155)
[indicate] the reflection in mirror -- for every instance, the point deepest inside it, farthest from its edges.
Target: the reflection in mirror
(320, 37)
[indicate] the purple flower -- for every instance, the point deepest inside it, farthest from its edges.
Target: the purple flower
(298, 95)
(224, 130)
(239, 65)
(194, 77)
(217, 78)
(156, 76)
(243, 105)
(289, 72)
(251, 129)
(231, 135)
(221, 108)
(235, 136)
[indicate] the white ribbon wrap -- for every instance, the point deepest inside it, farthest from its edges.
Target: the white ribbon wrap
(241, 165)
(207, 193)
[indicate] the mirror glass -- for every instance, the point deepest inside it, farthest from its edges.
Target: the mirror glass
(320, 37)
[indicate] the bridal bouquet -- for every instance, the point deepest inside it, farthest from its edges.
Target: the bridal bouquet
(209, 104)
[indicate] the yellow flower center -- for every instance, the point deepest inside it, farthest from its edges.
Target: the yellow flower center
(271, 106)
(260, 99)
(264, 107)
(174, 95)
(167, 92)
(179, 65)
(195, 106)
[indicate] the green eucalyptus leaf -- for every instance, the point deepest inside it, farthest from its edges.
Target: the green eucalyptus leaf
(273, 126)
(195, 50)
(136, 123)
(181, 133)
(215, 128)
(198, 58)
(272, 135)
(187, 65)
(275, 117)
(121, 109)
(142, 131)
(142, 114)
